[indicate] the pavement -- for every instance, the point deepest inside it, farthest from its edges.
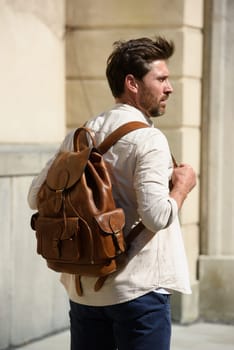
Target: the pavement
(198, 336)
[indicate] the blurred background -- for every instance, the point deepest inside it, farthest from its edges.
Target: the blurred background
(52, 78)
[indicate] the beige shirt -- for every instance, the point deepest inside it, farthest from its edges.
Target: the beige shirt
(140, 167)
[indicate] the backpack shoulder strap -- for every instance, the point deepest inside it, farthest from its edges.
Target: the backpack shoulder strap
(124, 129)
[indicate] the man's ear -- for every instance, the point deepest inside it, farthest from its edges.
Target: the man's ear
(131, 83)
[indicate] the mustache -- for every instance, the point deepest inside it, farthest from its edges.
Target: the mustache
(165, 97)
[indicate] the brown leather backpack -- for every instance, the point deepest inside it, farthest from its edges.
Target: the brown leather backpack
(78, 228)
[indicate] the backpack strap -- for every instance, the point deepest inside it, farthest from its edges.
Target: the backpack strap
(134, 232)
(124, 129)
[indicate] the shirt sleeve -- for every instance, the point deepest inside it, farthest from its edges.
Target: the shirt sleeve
(151, 182)
(67, 145)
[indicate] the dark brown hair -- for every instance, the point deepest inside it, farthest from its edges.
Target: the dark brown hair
(134, 57)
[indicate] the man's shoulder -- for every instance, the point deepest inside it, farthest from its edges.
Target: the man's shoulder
(109, 121)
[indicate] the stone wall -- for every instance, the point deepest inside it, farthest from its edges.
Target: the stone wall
(32, 71)
(33, 303)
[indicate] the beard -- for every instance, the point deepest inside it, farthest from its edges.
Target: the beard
(155, 112)
(151, 106)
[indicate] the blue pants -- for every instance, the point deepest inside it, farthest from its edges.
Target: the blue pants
(141, 324)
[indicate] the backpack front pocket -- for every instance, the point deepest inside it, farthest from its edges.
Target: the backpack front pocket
(58, 239)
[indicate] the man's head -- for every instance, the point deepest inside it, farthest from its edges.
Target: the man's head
(137, 73)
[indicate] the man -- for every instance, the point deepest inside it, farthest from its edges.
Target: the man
(132, 309)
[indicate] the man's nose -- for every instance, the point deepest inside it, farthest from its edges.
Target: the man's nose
(168, 87)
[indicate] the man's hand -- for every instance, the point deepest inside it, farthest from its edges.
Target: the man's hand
(183, 181)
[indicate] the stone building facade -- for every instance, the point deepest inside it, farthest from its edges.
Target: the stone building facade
(52, 64)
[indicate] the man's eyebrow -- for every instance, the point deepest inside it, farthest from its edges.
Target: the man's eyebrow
(162, 76)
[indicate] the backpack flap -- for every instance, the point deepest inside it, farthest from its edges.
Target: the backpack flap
(67, 169)
(111, 224)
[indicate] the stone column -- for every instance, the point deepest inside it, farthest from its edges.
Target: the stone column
(217, 211)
